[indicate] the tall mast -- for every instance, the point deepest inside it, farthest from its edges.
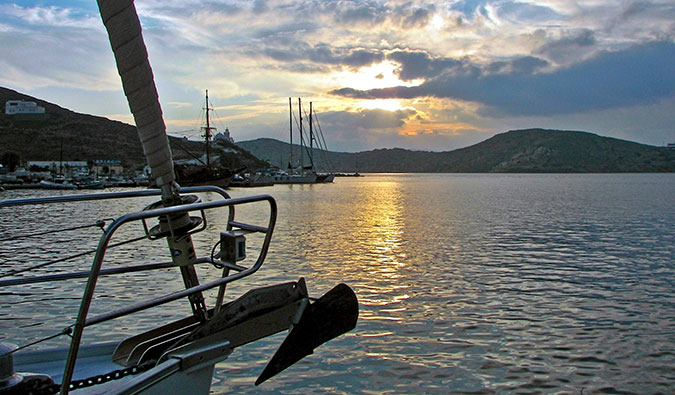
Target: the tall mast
(290, 128)
(302, 140)
(311, 138)
(207, 130)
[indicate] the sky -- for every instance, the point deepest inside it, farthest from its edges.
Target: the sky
(419, 75)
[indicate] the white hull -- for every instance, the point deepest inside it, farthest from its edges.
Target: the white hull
(171, 376)
(290, 179)
(325, 178)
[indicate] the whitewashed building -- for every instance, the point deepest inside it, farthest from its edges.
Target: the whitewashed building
(53, 165)
(224, 136)
(14, 107)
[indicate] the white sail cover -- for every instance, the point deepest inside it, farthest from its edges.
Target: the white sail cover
(124, 30)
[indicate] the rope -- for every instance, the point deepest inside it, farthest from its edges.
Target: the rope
(67, 258)
(213, 259)
(100, 224)
(66, 331)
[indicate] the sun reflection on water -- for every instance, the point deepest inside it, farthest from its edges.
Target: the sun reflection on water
(466, 283)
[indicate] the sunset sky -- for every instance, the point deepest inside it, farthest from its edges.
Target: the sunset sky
(418, 75)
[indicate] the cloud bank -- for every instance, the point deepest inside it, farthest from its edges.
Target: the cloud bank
(419, 74)
(642, 74)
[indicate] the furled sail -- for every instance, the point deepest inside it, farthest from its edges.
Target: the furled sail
(124, 30)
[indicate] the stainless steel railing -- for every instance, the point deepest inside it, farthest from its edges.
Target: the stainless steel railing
(232, 273)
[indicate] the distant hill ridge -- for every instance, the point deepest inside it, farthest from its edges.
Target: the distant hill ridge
(88, 137)
(516, 151)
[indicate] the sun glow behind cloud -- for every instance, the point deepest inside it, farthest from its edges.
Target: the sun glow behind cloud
(382, 104)
(377, 76)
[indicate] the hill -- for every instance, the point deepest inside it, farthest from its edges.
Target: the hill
(87, 137)
(517, 151)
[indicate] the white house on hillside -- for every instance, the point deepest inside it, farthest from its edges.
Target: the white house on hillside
(13, 107)
(224, 136)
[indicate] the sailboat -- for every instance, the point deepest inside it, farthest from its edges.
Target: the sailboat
(203, 172)
(176, 356)
(300, 174)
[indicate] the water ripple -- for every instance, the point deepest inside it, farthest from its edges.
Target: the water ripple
(466, 283)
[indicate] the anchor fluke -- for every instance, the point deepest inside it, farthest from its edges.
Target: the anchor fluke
(333, 314)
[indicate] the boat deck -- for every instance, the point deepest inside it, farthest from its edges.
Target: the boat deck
(94, 359)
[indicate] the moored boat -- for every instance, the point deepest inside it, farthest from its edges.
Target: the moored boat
(56, 185)
(203, 171)
(282, 177)
(92, 184)
(300, 174)
(195, 174)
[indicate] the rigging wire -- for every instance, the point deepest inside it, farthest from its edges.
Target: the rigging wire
(308, 138)
(67, 258)
(325, 146)
(66, 331)
(100, 224)
(321, 142)
(297, 126)
(182, 147)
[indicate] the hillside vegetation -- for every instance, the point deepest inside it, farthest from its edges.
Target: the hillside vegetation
(87, 137)
(517, 151)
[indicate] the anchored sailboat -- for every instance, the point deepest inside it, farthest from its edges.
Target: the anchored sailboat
(178, 356)
(300, 173)
(197, 171)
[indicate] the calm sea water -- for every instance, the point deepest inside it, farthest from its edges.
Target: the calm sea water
(466, 283)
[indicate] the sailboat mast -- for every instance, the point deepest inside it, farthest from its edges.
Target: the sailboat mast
(311, 138)
(290, 128)
(207, 131)
(302, 140)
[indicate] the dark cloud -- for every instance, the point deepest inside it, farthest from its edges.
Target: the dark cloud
(359, 57)
(324, 54)
(419, 64)
(639, 16)
(260, 6)
(347, 13)
(413, 17)
(418, 18)
(344, 121)
(634, 8)
(575, 43)
(522, 65)
(642, 74)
